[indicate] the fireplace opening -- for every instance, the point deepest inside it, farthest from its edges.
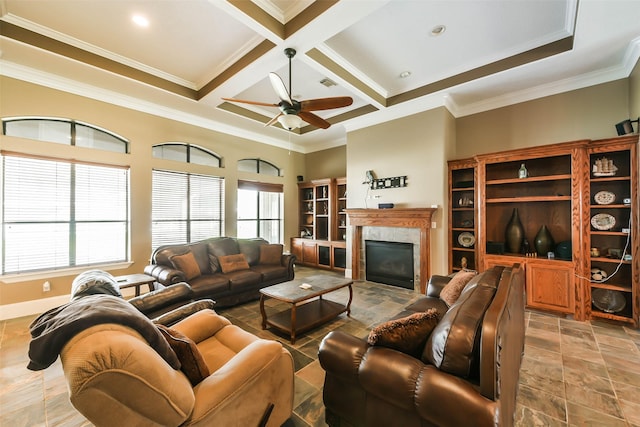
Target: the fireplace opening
(389, 262)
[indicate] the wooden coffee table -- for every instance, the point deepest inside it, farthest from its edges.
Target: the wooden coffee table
(308, 308)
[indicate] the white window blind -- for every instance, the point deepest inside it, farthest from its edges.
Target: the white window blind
(59, 214)
(186, 207)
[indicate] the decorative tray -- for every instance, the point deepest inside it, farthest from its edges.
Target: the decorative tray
(604, 197)
(603, 221)
(466, 239)
(608, 300)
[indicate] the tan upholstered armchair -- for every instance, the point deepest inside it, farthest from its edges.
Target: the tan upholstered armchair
(116, 378)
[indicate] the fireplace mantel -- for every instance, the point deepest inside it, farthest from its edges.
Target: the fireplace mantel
(396, 217)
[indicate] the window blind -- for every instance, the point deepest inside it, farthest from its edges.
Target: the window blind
(58, 214)
(186, 207)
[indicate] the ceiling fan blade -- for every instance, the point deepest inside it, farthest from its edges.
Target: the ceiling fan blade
(314, 120)
(243, 101)
(325, 103)
(272, 121)
(280, 88)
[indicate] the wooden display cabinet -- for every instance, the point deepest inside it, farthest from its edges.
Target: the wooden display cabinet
(612, 238)
(585, 205)
(462, 215)
(322, 224)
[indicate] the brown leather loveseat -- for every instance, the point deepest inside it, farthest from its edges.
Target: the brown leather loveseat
(227, 270)
(466, 374)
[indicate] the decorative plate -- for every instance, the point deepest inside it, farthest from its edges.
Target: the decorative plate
(603, 221)
(608, 300)
(604, 197)
(466, 239)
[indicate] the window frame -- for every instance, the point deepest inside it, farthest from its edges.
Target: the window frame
(258, 188)
(189, 147)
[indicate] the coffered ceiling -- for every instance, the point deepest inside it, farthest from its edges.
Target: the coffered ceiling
(393, 57)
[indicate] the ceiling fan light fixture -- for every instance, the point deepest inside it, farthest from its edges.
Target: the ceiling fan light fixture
(290, 121)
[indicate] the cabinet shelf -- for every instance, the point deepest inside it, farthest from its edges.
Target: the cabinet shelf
(563, 177)
(532, 199)
(611, 179)
(612, 286)
(611, 260)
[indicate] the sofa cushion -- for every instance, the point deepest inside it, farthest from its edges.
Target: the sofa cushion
(270, 272)
(231, 263)
(271, 254)
(453, 345)
(452, 290)
(407, 334)
(223, 246)
(187, 264)
(251, 249)
(192, 363)
(214, 264)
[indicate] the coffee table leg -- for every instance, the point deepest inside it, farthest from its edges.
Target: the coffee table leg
(263, 312)
(293, 324)
(349, 303)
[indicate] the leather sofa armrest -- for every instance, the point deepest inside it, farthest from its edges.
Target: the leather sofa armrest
(174, 316)
(156, 300)
(435, 285)
(383, 369)
(288, 260)
(165, 275)
(341, 354)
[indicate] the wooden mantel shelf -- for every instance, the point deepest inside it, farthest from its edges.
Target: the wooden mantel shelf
(395, 217)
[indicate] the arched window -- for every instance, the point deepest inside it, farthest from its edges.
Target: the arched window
(64, 131)
(258, 166)
(189, 153)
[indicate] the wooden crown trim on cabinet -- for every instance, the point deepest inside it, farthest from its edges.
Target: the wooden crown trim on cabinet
(554, 186)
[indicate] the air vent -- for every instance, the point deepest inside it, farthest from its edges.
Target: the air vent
(327, 82)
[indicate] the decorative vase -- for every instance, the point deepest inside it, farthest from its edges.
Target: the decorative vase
(544, 241)
(514, 233)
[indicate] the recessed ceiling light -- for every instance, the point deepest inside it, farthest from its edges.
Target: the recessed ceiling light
(140, 21)
(438, 30)
(405, 74)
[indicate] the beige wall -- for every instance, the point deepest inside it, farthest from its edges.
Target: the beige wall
(589, 113)
(330, 163)
(417, 146)
(634, 93)
(143, 131)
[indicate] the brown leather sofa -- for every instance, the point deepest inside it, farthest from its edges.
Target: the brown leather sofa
(467, 374)
(199, 264)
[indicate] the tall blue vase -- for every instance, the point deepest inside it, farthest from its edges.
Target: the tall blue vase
(514, 233)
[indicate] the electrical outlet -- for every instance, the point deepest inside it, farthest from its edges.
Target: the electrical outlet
(46, 286)
(433, 224)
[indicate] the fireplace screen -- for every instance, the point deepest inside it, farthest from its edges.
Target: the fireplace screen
(389, 262)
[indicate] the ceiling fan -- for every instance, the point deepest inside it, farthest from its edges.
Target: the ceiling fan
(291, 110)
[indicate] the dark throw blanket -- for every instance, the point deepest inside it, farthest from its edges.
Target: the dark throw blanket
(54, 328)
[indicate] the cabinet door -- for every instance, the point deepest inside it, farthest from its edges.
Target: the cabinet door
(309, 256)
(550, 286)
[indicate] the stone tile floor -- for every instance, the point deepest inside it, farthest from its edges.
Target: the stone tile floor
(573, 373)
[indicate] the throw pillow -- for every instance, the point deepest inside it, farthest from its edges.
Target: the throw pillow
(231, 263)
(408, 334)
(191, 361)
(452, 290)
(271, 254)
(187, 264)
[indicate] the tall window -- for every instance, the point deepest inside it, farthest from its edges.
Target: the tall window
(186, 207)
(58, 214)
(260, 208)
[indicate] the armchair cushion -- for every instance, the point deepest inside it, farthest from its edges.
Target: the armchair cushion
(408, 334)
(187, 264)
(231, 263)
(452, 290)
(271, 254)
(192, 363)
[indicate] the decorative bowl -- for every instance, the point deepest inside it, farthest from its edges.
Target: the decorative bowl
(466, 239)
(604, 197)
(603, 221)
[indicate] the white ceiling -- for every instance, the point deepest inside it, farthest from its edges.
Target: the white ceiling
(195, 52)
